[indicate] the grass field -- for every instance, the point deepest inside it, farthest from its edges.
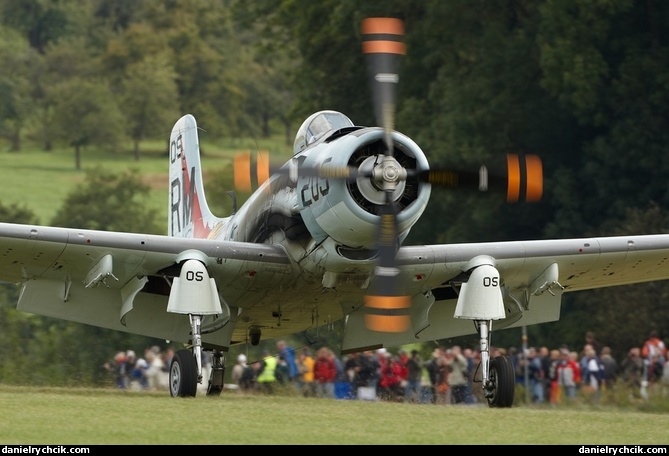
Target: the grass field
(49, 416)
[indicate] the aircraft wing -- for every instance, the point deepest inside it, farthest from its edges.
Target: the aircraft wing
(533, 276)
(119, 280)
(583, 264)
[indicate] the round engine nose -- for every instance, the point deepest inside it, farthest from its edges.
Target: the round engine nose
(385, 171)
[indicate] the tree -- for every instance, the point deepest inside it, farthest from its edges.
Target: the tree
(149, 99)
(41, 22)
(139, 65)
(111, 202)
(16, 60)
(86, 113)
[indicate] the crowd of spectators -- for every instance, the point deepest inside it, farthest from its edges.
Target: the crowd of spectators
(449, 375)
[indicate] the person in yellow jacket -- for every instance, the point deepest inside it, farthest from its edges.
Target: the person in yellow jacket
(267, 373)
(305, 367)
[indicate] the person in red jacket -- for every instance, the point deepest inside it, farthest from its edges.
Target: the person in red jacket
(325, 371)
(654, 354)
(390, 383)
(568, 373)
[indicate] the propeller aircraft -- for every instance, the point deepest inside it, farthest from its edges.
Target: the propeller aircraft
(320, 240)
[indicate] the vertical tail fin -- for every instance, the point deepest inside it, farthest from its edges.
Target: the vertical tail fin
(188, 214)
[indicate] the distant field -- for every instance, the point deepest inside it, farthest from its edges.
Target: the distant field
(41, 180)
(105, 416)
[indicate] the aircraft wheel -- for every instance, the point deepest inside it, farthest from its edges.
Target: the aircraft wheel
(503, 382)
(183, 374)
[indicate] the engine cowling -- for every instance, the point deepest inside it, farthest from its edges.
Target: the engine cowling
(347, 210)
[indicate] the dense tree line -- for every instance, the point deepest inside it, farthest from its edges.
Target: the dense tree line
(582, 84)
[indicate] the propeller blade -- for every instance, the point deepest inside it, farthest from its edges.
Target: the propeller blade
(387, 307)
(242, 169)
(382, 44)
(521, 180)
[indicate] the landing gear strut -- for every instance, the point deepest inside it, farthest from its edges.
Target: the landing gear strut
(217, 374)
(498, 379)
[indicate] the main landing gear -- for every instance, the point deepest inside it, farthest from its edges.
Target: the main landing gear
(184, 376)
(186, 367)
(498, 379)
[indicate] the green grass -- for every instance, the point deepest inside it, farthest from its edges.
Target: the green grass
(80, 416)
(41, 180)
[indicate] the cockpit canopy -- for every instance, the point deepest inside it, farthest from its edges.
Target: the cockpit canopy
(316, 126)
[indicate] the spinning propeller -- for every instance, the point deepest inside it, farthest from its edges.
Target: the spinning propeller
(386, 305)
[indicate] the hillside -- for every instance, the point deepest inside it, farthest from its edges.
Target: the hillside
(42, 180)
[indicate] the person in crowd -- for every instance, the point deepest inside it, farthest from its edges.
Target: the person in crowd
(342, 384)
(591, 340)
(168, 355)
(472, 362)
(287, 352)
(433, 372)
(456, 363)
(138, 379)
(154, 373)
(351, 366)
(266, 375)
(282, 371)
(632, 368)
(325, 371)
(610, 368)
(390, 382)
(414, 368)
(592, 373)
(238, 370)
(517, 361)
(117, 368)
(305, 367)
(545, 359)
(364, 376)
(442, 388)
(555, 390)
(248, 383)
(568, 374)
(535, 376)
(654, 354)
(130, 363)
(402, 357)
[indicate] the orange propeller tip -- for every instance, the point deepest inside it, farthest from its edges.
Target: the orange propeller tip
(390, 28)
(524, 177)
(535, 178)
(387, 313)
(387, 302)
(382, 25)
(242, 171)
(390, 324)
(262, 166)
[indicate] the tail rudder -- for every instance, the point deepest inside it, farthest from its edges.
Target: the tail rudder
(188, 214)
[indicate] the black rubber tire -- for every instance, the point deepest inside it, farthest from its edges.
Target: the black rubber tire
(183, 374)
(504, 382)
